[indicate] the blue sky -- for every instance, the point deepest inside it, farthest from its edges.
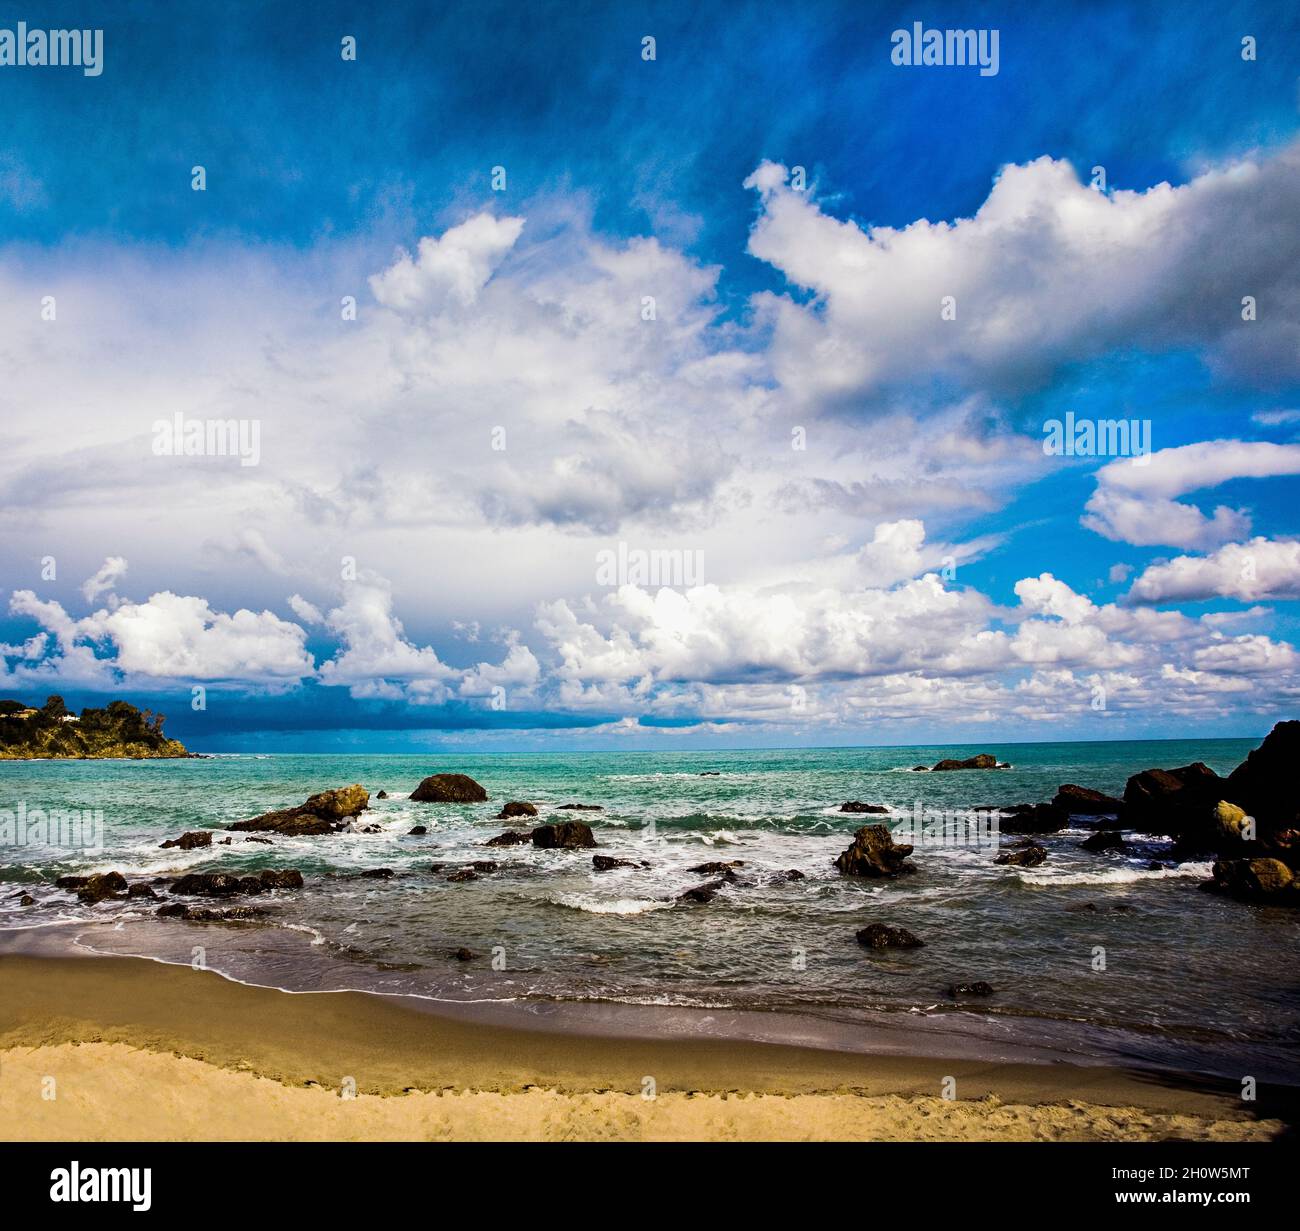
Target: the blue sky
(777, 309)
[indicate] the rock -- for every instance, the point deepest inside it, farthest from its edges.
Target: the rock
(418, 832)
(511, 837)
(202, 914)
(102, 885)
(484, 865)
(716, 867)
(376, 874)
(225, 841)
(920, 769)
(710, 773)
(1081, 801)
(462, 874)
(790, 874)
(516, 807)
(1230, 824)
(70, 882)
(1264, 785)
(566, 835)
(882, 936)
(1179, 802)
(27, 900)
(1025, 857)
(981, 760)
(1032, 818)
(188, 841)
(607, 863)
(449, 789)
(856, 805)
(1103, 840)
(263, 841)
(382, 795)
(702, 894)
(873, 853)
(580, 808)
(462, 955)
(326, 812)
(979, 988)
(141, 890)
(1256, 880)
(222, 884)
(1156, 866)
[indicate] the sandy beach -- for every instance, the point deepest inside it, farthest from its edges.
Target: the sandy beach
(137, 1050)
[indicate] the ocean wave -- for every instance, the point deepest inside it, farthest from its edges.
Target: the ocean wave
(594, 905)
(1114, 876)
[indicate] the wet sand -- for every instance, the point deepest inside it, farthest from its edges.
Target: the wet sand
(138, 1050)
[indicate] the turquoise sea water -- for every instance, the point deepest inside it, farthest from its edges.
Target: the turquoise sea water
(1188, 978)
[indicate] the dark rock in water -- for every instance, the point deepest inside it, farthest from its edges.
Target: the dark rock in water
(511, 837)
(418, 832)
(449, 789)
(882, 936)
(516, 807)
(1026, 857)
(70, 882)
(382, 795)
(484, 865)
(141, 890)
(462, 955)
(710, 773)
(1032, 818)
(920, 769)
(1256, 880)
(202, 914)
(566, 835)
(222, 884)
(225, 841)
(981, 760)
(856, 805)
(1264, 784)
(1103, 840)
(102, 885)
(580, 808)
(1080, 801)
(711, 869)
(790, 874)
(874, 854)
(377, 874)
(701, 894)
(1179, 802)
(1156, 866)
(462, 874)
(979, 988)
(607, 863)
(262, 841)
(188, 841)
(326, 812)
(27, 900)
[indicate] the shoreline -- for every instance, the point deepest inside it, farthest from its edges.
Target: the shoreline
(141, 1050)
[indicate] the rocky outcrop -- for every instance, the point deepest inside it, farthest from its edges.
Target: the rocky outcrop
(981, 760)
(449, 789)
(856, 805)
(1081, 801)
(223, 884)
(701, 895)
(607, 863)
(1027, 856)
(1256, 880)
(882, 936)
(1177, 802)
(563, 835)
(516, 807)
(511, 837)
(188, 841)
(1265, 785)
(326, 812)
(874, 853)
(96, 888)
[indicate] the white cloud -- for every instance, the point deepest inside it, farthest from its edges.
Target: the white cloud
(104, 579)
(1259, 569)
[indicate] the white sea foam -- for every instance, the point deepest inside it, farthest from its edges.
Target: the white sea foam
(1113, 876)
(594, 905)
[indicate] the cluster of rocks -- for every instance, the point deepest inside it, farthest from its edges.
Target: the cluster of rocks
(981, 760)
(113, 886)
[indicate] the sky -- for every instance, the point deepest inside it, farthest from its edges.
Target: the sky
(505, 304)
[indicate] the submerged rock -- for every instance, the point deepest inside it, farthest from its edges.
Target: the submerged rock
(920, 769)
(1081, 801)
(382, 795)
(978, 988)
(1029, 856)
(462, 955)
(188, 841)
(716, 866)
(1032, 818)
(222, 884)
(449, 789)
(516, 807)
(564, 835)
(462, 874)
(701, 895)
(141, 890)
(882, 936)
(607, 863)
(580, 808)
(326, 812)
(873, 853)
(856, 805)
(417, 832)
(511, 837)
(207, 914)
(1103, 840)
(790, 874)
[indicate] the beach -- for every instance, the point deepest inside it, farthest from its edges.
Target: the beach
(139, 1050)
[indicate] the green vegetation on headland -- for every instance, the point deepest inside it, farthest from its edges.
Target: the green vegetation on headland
(52, 732)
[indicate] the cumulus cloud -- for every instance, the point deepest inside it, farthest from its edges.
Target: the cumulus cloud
(105, 578)
(1259, 569)
(1139, 504)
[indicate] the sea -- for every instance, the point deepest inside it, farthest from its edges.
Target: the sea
(1092, 957)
